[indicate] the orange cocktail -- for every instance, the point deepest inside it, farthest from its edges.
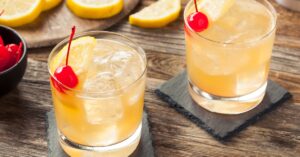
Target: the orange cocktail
(102, 115)
(228, 63)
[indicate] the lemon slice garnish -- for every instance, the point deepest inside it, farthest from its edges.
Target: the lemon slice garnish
(49, 4)
(214, 9)
(80, 54)
(95, 9)
(19, 12)
(157, 15)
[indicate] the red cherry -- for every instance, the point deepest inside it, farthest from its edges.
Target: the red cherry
(198, 21)
(57, 86)
(66, 76)
(6, 59)
(19, 52)
(1, 40)
(12, 48)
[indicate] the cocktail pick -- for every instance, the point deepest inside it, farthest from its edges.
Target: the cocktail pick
(198, 21)
(65, 74)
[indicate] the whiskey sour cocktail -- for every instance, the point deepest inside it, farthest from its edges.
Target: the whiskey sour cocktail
(98, 94)
(228, 50)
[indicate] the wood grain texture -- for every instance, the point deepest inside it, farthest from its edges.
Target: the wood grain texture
(22, 120)
(50, 27)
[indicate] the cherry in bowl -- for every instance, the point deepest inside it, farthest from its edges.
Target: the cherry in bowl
(14, 67)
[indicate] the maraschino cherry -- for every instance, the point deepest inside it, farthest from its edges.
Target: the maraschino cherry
(198, 21)
(5, 58)
(19, 51)
(65, 74)
(9, 54)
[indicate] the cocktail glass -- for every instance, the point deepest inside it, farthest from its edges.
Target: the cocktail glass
(228, 63)
(104, 116)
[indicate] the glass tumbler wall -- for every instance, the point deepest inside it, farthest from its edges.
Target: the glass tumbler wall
(228, 63)
(102, 116)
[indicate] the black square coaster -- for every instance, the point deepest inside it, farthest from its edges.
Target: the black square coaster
(175, 93)
(144, 149)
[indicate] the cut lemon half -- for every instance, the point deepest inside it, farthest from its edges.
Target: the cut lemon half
(49, 4)
(158, 14)
(95, 9)
(19, 12)
(80, 56)
(214, 9)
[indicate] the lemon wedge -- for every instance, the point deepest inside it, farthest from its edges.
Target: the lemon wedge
(19, 12)
(214, 9)
(80, 55)
(49, 4)
(95, 9)
(158, 14)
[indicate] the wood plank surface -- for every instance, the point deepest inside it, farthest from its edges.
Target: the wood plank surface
(22, 112)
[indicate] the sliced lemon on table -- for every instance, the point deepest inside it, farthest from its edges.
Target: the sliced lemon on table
(49, 4)
(214, 9)
(19, 12)
(95, 9)
(157, 15)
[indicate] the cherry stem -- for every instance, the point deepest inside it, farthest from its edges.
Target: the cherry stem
(196, 7)
(1, 12)
(70, 41)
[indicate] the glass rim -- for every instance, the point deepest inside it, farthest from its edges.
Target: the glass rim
(139, 50)
(270, 8)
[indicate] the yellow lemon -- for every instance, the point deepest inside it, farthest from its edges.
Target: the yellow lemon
(19, 12)
(81, 53)
(157, 15)
(95, 9)
(215, 9)
(49, 4)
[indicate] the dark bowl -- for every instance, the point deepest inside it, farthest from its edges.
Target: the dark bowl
(11, 77)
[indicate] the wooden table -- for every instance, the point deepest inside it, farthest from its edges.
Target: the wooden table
(22, 112)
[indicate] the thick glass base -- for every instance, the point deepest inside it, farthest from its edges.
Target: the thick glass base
(227, 105)
(122, 149)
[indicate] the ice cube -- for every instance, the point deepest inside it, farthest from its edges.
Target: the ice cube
(251, 80)
(103, 136)
(103, 110)
(101, 81)
(121, 56)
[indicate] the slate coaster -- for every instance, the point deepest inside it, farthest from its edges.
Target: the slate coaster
(175, 93)
(145, 148)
